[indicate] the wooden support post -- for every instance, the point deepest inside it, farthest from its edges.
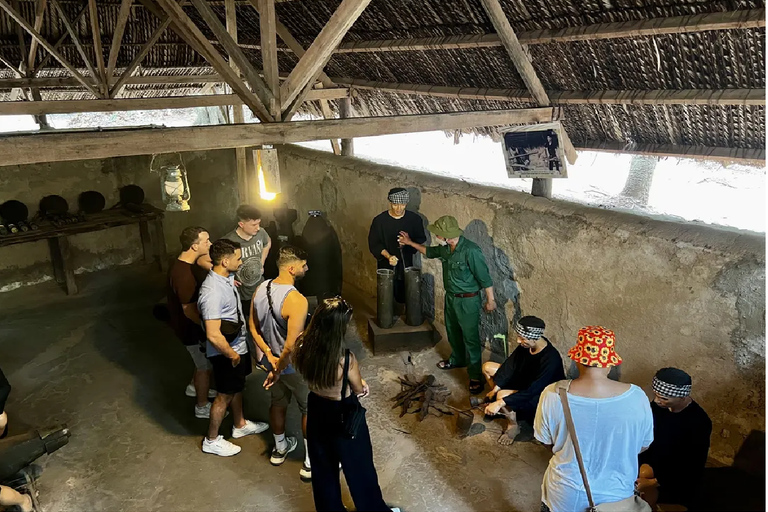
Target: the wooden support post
(267, 21)
(345, 111)
(542, 187)
(237, 113)
(62, 263)
(146, 242)
(117, 36)
(98, 50)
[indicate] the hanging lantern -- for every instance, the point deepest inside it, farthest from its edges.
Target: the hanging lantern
(174, 186)
(268, 172)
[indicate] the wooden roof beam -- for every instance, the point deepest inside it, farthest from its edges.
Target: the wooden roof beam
(749, 97)
(193, 35)
(115, 90)
(311, 64)
(268, 29)
(41, 107)
(82, 145)
(59, 41)
(733, 20)
(98, 50)
(117, 36)
(235, 53)
(519, 56)
(45, 44)
(721, 154)
(39, 13)
(76, 39)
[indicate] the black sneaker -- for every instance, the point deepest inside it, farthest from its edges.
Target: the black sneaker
(306, 473)
(278, 457)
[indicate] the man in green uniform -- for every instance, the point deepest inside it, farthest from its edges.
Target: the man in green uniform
(465, 273)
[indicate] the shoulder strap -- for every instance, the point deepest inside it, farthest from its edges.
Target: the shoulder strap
(562, 389)
(269, 300)
(238, 304)
(346, 372)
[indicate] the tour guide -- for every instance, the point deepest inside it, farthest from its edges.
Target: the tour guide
(465, 272)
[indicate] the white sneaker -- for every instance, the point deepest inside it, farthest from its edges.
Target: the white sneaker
(251, 427)
(190, 391)
(212, 393)
(220, 446)
(204, 411)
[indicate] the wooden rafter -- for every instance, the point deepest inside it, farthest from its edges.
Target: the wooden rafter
(40, 107)
(76, 39)
(519, 56)
(11, 66)
(320, 51)
(734, 20)
(243, 188)
(268, 29)
(45, 44)
(118, 87)
(97, 48)
(609, 97)
(190, 32)
(40, 6)
(235, 53)
(58, 82)
(79, 145)
(59, 41)
(741, 155)
(117, 36)
(21, 40)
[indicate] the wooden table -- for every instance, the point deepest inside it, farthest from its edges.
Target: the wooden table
(153, 243)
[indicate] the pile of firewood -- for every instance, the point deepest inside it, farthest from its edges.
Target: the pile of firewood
(421, 397)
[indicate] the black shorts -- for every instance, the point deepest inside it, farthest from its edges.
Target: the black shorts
(229, 379)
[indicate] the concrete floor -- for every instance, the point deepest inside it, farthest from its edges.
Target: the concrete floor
(102, 364)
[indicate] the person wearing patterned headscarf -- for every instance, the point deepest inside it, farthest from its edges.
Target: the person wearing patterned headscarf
(671, 469)
(382, 238)
(613, 423)
(517, 383)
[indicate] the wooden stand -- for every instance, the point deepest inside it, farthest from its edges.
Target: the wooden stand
(401, 336)
(150, 226)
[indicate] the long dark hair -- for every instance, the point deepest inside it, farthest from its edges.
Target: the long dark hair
(320, 346)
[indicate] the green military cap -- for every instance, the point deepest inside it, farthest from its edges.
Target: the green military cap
(446, 227)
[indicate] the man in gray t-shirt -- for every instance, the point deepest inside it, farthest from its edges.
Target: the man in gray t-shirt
(254, 244)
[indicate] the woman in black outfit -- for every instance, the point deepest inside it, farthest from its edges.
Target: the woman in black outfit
(320, 357)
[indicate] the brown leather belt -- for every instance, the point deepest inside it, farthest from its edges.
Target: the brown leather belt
(465, 295)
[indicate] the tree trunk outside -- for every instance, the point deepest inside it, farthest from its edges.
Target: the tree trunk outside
(638, 185)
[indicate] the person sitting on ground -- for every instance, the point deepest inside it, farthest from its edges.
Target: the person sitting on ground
(613, 425)
(671, 469)
(9, 497)
(517, 383)
(333, 376)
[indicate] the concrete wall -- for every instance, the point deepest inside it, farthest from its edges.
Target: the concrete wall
(212, 179)
(676, 294)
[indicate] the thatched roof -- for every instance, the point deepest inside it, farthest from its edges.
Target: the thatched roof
(722, 59)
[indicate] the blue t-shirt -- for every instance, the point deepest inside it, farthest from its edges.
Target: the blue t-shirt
(220, 300)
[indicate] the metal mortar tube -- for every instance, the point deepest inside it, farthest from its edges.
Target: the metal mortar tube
(385, 300)
(413, 296)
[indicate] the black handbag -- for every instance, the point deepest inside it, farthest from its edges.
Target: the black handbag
(352, 412)
(229, 329)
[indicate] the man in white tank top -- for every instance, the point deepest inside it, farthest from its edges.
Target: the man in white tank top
(278, 318)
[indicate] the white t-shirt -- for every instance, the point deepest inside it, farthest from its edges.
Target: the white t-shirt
(611, 433)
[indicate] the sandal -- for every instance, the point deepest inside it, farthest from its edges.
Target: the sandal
(476, 387)
(446, 364)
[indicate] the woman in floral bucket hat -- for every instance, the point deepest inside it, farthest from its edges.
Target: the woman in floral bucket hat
(613, 425)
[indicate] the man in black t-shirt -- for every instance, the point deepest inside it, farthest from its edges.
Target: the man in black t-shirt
(382, 238)
(184, 279)
(672, 467)
(517, 383)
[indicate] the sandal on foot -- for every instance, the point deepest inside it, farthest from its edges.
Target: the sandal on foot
(476, 387)
(446, 364)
